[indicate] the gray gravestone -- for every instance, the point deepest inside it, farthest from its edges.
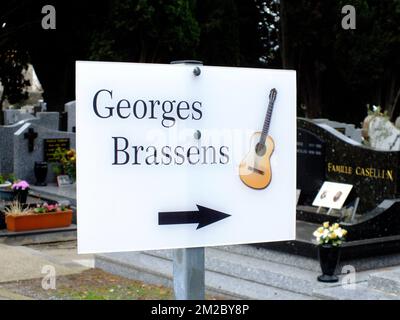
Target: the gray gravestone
(24, 159)
(70, 107)
(49, 120)
(12, 116)
(6, 147)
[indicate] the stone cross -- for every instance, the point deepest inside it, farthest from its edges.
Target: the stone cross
(31, 135)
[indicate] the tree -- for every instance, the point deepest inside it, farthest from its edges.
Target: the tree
(216, 32)
(307, 38)
(147, 31)
(221, 32)
(340, 71)
(370, 55)
(229, 33)
(269, 32)
(12, 65)
(13, 60)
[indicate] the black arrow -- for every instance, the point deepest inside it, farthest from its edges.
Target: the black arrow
(204, 216)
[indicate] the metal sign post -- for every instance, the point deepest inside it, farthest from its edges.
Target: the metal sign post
(188, 264)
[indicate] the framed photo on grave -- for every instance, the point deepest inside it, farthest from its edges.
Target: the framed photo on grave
(332, 195)
(64, 180)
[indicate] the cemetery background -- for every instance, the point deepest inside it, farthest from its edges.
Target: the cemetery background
(359, 67)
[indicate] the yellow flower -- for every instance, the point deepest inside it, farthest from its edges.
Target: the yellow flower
(332, 235)
(335, 226)
(326, 224)
(344, 232)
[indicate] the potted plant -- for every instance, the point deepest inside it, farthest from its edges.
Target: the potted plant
(21, 189)
(66, 163)
(44, 216)
(329, 238)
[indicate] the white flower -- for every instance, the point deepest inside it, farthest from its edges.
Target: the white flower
(317, 234)
(339, 232)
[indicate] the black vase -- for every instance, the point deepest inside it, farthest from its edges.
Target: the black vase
(2, 220)
(40, 173)
(21, 195)
(328, 258)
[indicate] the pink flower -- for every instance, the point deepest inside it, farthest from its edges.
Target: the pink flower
(20, 185)
(51, 207)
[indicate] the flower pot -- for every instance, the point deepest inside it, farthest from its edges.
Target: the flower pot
(40, 173)
(39, 221)
(5, 185)
(2, 220)
(328, 258)
(21, 195)
(6, 194)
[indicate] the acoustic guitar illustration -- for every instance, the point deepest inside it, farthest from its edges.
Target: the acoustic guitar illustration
(255, 168)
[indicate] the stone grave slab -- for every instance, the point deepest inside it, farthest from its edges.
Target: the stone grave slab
(70, 108)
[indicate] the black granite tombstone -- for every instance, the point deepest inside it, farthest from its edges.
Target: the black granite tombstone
(374, 174)
(325, 154)
(310, 165)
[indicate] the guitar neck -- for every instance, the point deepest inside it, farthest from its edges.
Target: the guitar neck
(268, 116)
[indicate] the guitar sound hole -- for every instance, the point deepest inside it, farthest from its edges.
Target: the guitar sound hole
(260, 149)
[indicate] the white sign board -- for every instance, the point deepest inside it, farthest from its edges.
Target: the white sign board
(332, 195)
(147, 180)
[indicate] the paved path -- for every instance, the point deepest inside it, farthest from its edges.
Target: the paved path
(9, 295)
(22, 263)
